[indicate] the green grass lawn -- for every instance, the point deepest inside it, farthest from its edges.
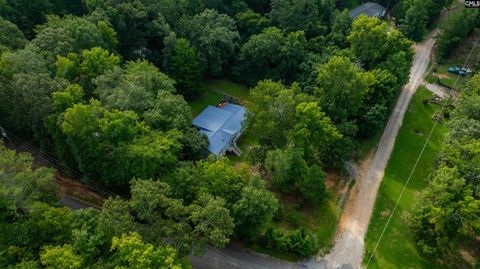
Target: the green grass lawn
(447, 79)
(210, 94)
(397, 248)
(431, 78)
(237, 90)
(206, 98)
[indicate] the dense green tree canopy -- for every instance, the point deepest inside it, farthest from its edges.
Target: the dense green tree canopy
(455, 29)
(415, 22)
(131, 252)
(132, 87)
(31, 102)
(73, 34)
(87, 66)
(88, 90)
(60, 257)
(215, 36)
(254, 210)
(10, 36)
(446, 216)
(138, 23)
(311, 16)
(133, 149)
(341, 99)
(374, 44)
(182, 62)
(447, 210)
(271, 55)
(21, 185)
(250, 23)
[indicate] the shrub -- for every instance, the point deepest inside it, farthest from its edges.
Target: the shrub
(296, 241)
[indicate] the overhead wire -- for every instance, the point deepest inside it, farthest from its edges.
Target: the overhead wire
(418, 160)
(61, 166)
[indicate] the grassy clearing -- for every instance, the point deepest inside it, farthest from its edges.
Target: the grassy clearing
(441, 76)
(210, 94)
(206, 98)
(397, 248)
(229, 87)
(431, 78)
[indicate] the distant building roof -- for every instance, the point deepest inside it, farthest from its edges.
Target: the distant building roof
(221, 125)
(370, 9)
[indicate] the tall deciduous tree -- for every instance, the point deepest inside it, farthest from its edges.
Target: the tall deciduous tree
(455, 29)
(290, 172)
(308, 15)
(181, 61)
(141, 25)
(122, 146)
(273, 105)
(26, 14)
(60, 257)
(341, 27)
(250, 23)
(341, 98)
(133, 87)
(415, 22)
(448, 211)
(21, 185)
(73, 34)
(130, 251)
(313, 132)
(30, 103)
(86, 67)
(377, 46)
(11, 38)
(254, 210)
(272, 55)
(215, 37)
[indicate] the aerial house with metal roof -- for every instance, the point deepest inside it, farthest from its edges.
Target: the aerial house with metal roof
(222, 124)
(369, 9)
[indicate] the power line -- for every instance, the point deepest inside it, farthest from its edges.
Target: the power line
(59, 165)
(417, 161)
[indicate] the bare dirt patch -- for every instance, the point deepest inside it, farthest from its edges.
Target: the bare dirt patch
(439, 75)
(67, 185)
(73, 188)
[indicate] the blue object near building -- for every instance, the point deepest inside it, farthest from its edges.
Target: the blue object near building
(223, 126)
(459, 71)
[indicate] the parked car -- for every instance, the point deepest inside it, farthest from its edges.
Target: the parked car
(462, 71)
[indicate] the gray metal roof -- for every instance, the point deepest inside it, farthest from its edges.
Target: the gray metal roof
(370, 9)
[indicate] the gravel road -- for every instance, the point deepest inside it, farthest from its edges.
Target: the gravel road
(440, 90)
(349, 243)
(234, 258)
(73, 203)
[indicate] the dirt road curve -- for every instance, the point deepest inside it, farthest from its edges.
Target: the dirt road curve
(349, 244)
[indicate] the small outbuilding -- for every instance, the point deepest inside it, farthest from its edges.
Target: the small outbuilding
(223, 125)
(370, 9)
